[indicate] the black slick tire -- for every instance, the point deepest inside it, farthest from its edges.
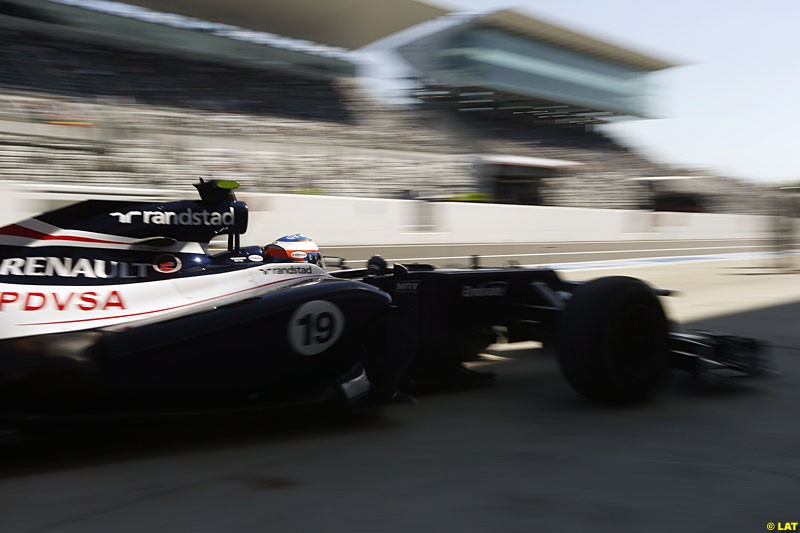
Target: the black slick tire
(612, 342)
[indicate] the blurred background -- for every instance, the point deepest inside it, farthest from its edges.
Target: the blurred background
(436, 132)
(368, 99)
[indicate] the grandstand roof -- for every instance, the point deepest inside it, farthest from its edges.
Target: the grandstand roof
(350, 24)
(126, 25)
(516, 22)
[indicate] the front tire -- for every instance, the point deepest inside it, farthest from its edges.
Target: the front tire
(612, 341)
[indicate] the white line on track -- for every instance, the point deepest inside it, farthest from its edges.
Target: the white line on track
(587, 252)
(660, 261)
(547, 243)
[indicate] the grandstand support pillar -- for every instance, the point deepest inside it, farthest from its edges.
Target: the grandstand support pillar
(786, 208)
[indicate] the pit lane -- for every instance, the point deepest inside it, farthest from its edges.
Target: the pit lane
(524, 455)
(549, 253)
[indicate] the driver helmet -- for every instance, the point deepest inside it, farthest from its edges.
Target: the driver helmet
(295, 248)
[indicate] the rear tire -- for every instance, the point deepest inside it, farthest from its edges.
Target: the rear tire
(612, 342)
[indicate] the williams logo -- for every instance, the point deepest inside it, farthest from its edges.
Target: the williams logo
(180, 218)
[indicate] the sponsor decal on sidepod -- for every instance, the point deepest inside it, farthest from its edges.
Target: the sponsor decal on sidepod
(69, 267)
(287, 270)
(53, 301)
(497, 288)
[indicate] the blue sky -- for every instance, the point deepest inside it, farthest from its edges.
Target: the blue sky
(734, 105)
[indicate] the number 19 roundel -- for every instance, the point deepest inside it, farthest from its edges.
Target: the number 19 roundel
(314, 327)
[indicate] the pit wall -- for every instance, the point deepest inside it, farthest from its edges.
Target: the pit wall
(357, 221)
(353, 221)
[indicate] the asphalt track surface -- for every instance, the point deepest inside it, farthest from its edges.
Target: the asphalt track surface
(525, 454)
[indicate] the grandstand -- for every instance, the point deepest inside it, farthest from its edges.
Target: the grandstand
(497, 106)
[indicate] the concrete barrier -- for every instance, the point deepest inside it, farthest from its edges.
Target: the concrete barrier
(354, 221)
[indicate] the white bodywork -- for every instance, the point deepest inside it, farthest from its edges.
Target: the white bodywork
(39, 309)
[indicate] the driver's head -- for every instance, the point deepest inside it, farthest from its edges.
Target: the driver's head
(294, 249)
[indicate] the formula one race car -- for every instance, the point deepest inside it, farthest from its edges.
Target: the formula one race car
(111, 307)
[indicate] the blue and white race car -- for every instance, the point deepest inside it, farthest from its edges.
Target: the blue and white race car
(113, 307)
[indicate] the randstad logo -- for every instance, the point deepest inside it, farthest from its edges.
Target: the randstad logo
(181, 218)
